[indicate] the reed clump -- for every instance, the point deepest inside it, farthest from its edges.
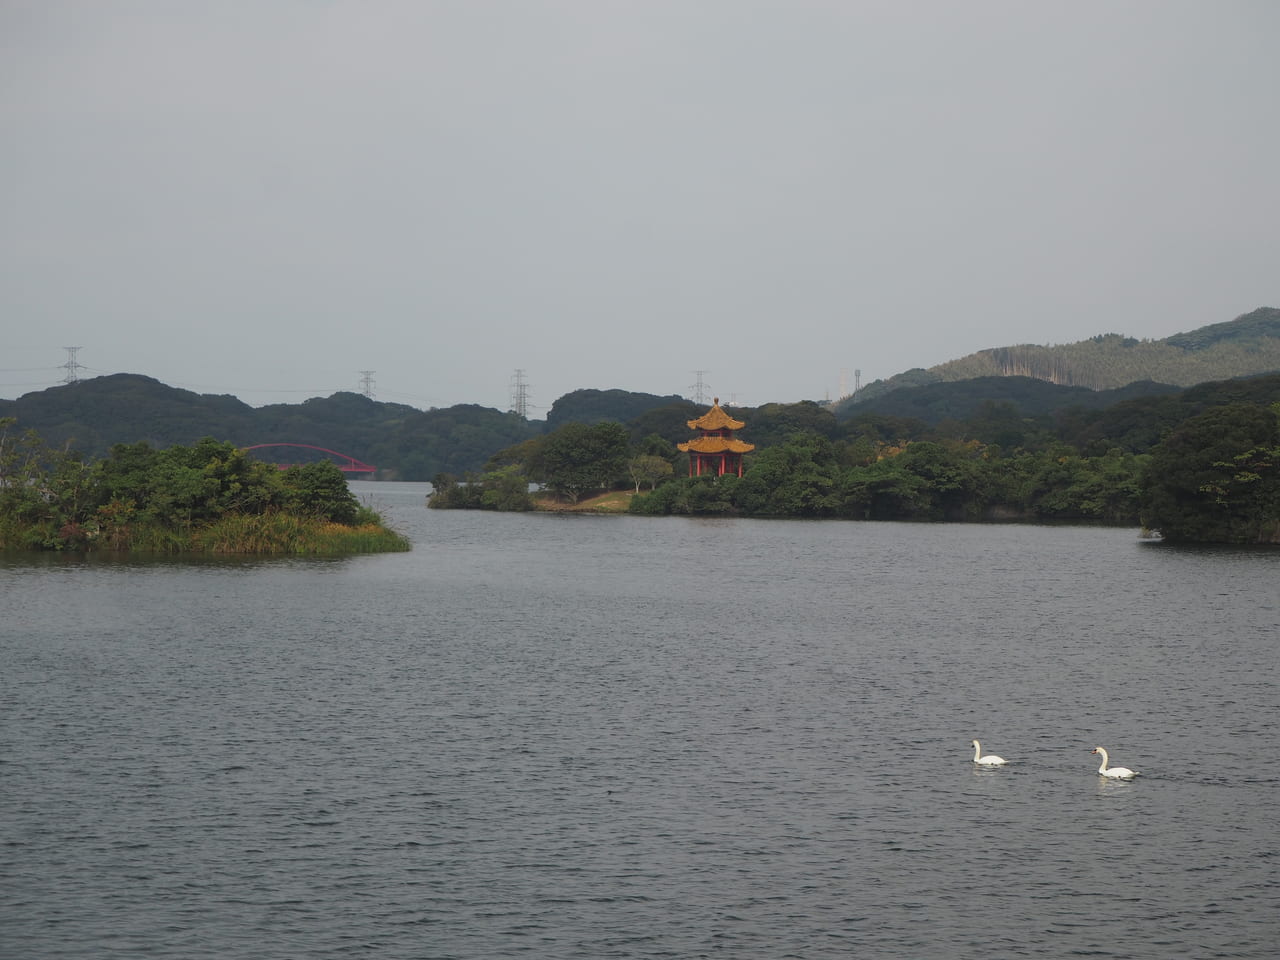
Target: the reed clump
(277, 532)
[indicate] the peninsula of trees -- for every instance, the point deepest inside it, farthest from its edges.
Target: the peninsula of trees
(206, 498)
(1201, 465)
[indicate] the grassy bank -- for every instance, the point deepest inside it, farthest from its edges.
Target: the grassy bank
(615, 501)
(265, 534)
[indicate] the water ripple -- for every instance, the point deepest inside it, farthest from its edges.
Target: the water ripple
(643, 739)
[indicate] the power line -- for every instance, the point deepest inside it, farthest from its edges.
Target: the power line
(520, 395)
(72, 368)
(700, 388)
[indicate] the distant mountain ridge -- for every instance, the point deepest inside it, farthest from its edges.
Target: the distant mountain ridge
(1245, 346)
(407, 443)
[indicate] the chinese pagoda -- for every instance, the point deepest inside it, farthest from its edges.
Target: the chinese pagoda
(716, 450)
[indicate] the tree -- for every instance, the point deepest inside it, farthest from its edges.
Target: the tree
(506, 489)
(21, 459)
(46, 494)
(649, 469)
(321, 490)
(527, 455)
(775, 423)
(1215, 478)
(797, 478)
(578, 458)
(949, 476)
(707, 495)
(885, 490)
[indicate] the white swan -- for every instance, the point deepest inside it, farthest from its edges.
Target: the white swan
(990, 760)
(1115, 773)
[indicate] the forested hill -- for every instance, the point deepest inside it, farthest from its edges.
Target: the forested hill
(933, 403)
(404, 442)
(95, 414)
(596, 406)
(1248, 345)
(1012, 395)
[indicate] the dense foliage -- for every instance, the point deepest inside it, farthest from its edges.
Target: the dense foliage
(1216, 478)
(810, 476)
(595, 406)
(1194, 467)
(574, 460)
(207, 497)
(961, 400)
(405, 443)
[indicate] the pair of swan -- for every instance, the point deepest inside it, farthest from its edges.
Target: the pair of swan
(1115, 773)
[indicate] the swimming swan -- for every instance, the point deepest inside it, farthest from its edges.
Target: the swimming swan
(1115, 773)
(990, 760)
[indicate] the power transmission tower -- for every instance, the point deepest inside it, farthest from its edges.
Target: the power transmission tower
(366, 383)
(699, 389)
(519, 395)
(71, 366)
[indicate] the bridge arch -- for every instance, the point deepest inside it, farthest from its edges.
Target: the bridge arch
(347, 464)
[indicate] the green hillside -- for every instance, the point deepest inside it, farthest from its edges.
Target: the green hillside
(1248, 345)
(963, 399)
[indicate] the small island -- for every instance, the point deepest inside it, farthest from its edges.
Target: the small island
(208, 498)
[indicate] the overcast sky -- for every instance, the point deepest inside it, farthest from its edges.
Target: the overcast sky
(268, 197)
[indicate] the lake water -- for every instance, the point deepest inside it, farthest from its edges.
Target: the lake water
(594, 737)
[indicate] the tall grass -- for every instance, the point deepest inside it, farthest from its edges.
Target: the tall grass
(284, 533)
(268, 534)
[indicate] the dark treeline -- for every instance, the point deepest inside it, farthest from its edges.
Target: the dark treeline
(988, 448)
(1198, 464)
(404, 443)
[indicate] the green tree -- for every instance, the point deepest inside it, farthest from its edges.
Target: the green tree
(181, 485)
(320, 489)
(579, 458)
(506, 489)
(885, 490)
(1215, 479)
(21, 474)
(47, 494)
(950, 478)
(527, 455)
(707, 495)
(649, 469)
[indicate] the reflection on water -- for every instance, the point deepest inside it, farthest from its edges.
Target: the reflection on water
(619, 737)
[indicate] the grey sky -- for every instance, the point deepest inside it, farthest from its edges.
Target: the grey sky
(267, 197)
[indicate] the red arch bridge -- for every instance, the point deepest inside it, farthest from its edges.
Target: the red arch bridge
(344, 462)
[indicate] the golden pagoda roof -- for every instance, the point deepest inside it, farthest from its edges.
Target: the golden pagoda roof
(715, 419)
(716, 445)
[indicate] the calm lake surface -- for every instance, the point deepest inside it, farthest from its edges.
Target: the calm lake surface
(594, 737)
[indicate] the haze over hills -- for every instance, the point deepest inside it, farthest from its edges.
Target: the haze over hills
(1247, 345)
